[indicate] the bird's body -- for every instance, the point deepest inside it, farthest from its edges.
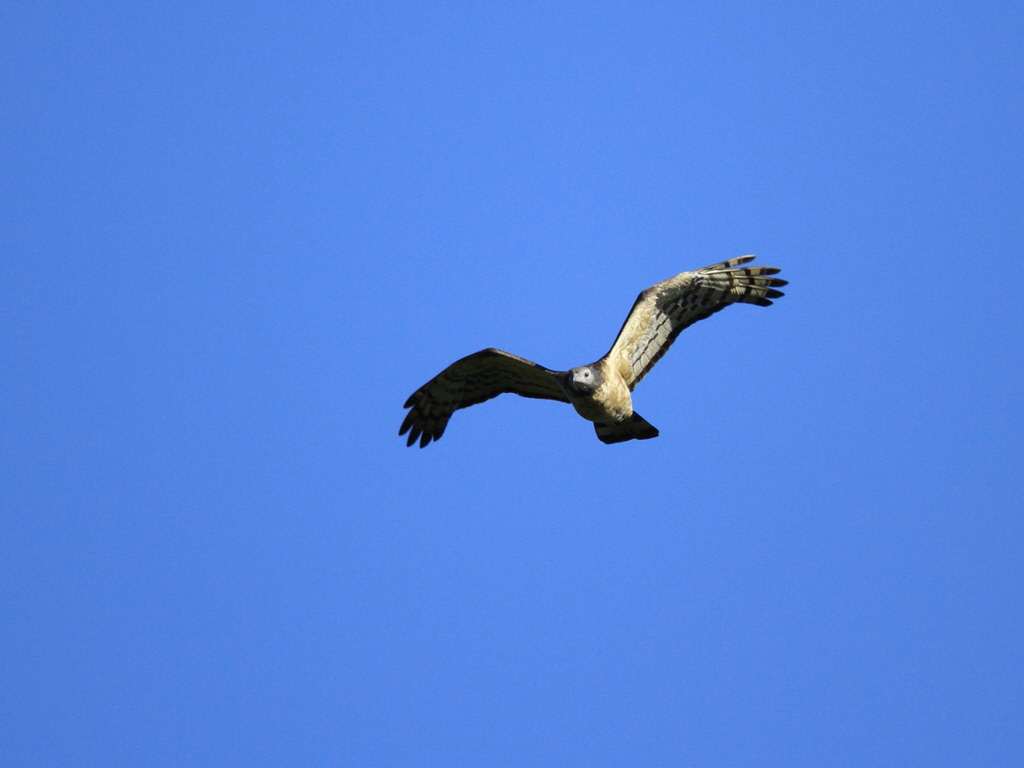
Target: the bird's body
(601, 391)
(598, 393)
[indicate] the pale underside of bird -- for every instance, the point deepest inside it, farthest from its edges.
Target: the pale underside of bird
(600, 391)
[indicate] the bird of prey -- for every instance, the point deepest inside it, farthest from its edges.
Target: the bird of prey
(600, 392)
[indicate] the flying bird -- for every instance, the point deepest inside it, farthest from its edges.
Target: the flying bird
(600, 392)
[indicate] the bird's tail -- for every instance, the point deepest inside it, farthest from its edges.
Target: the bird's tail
(633, 428)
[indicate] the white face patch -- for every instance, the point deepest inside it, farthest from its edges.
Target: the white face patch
(586, 380)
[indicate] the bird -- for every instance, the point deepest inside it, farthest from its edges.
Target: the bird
(601, 391)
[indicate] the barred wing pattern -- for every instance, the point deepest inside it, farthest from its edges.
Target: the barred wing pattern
(472, 380)
(665, 309)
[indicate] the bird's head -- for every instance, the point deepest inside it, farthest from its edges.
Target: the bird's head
(585, 380)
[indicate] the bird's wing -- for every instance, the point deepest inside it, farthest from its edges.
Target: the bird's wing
(665, 309)
(472, 380)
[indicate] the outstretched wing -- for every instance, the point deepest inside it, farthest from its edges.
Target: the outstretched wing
(665, 309)
(472, 380)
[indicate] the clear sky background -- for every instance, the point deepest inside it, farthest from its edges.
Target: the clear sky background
(236, 237)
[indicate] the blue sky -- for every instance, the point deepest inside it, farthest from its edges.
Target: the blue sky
(235, 238)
